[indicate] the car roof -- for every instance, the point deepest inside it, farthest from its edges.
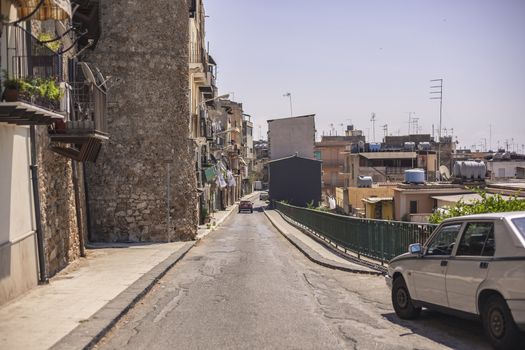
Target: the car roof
(503, 215)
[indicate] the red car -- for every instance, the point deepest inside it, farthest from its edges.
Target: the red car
(246, 205)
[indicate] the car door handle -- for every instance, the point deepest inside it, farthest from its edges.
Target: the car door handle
(444, 262)
(483, 265)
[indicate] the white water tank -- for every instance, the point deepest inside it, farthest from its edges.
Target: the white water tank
(415, 176)
(470, 170)
(364, 181)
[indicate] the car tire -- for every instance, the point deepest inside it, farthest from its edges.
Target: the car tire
(251, 211)
(499, 325)
(402, 301)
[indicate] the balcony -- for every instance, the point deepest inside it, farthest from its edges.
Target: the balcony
(35, 93)
(81, 136)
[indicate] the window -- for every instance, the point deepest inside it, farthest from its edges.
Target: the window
(477, 240)
(443, 242)
(520, 225)
(413, 207)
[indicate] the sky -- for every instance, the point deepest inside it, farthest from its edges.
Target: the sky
(346, 59)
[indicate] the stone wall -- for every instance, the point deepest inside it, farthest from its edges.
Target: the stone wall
(58, 210)
(144, 48)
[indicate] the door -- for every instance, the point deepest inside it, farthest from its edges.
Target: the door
(430, 271)
(470, 265)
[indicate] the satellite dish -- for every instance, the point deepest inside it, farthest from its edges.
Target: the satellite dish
(61, 30)
(88, 73)
(101, 79)
(445, 173)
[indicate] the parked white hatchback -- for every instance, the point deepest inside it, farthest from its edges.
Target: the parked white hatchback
(472, 266)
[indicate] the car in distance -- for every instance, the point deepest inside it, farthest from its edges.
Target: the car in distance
(246, 206)
(263, 196)
(472, 266)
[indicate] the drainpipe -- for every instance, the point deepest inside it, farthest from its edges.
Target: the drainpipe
(88, 215)
(36, 198)
(76, 189)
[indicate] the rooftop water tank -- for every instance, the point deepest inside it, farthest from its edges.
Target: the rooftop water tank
(415, 176)
(470, 170)
(364, 181)
(361, 146)
(375, 147)
(409, 146)
(424, 146)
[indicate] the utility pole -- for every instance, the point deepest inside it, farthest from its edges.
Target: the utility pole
(438, 89)
(289, 95)
(490, 136)
(373, 120)
(385, 129)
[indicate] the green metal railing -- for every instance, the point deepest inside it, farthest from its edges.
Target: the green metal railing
(377, 239)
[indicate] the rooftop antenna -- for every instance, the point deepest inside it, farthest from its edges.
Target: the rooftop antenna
(373, 120)
(410, 120)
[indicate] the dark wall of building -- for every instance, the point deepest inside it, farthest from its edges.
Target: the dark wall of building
(295, 180)
(144, 48)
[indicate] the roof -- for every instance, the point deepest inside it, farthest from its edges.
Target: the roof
(300, 116)
(294, 156)
(466, 198)
(377, 199)
(388, 155)
(507, 215)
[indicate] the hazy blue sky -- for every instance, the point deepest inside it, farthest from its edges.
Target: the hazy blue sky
(344, 59)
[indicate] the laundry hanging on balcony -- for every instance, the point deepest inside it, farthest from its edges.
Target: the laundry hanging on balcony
(50, 9)
(231, 179)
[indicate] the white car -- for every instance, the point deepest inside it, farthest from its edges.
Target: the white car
(472, 266)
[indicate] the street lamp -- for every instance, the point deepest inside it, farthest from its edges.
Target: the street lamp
(215, 98)
(289, 95)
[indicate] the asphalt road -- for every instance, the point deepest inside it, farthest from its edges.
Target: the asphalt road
(246, 287)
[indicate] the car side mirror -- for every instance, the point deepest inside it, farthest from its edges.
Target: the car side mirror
(415, 248)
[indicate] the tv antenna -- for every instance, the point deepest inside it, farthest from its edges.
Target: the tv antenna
(373, 120)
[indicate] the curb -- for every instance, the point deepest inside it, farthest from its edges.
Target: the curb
(88, 333)
(316, 258)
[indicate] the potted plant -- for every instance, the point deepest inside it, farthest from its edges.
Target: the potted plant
(11, 88)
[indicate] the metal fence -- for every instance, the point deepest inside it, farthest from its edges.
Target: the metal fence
(377, 239)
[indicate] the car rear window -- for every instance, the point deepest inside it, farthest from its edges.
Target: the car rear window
(520, 225)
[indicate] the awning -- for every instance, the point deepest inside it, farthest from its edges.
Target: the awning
(50, 9)
(210, 174)
(373, 200)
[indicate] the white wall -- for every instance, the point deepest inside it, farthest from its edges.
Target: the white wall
(503, 169)
(290, 135)
(18, 257)
(16, 204)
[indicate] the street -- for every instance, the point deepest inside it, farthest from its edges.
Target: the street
(244, 286)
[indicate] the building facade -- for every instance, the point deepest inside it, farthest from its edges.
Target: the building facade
(52, 121)
(144, 185)
(289, 136)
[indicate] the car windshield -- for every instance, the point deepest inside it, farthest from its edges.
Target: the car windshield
(520, 225)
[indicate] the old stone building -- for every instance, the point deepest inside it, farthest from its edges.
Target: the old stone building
(147, 168)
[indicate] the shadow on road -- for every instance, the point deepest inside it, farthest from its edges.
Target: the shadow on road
(450, 331)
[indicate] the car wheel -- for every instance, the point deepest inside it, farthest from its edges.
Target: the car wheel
(499, 324)
(251, 211)
(402, 301)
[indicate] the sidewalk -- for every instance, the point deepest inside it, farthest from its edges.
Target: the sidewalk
(313, 250)
(85, 299)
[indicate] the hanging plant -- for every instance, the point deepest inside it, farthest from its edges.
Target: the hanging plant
(52, 45)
